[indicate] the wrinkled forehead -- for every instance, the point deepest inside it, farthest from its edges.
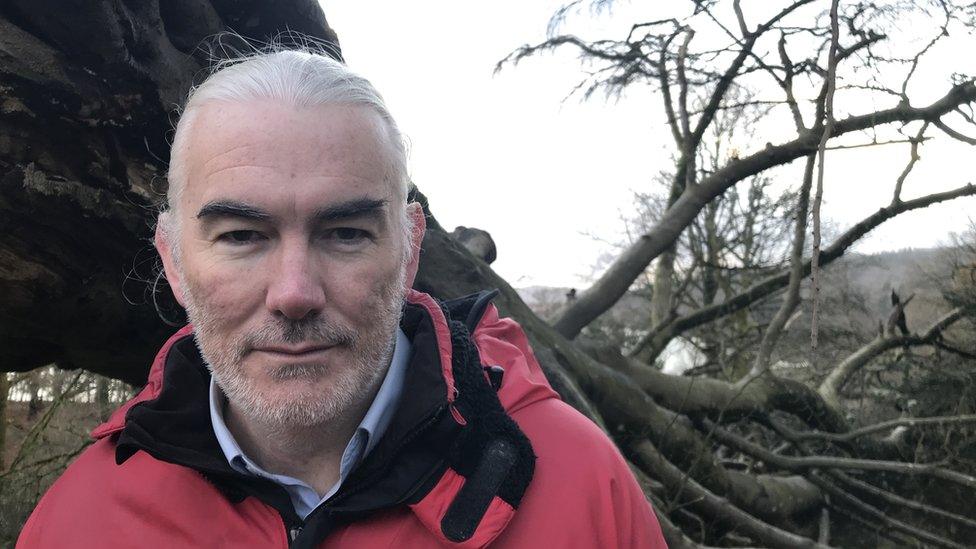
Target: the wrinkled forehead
(264, 143)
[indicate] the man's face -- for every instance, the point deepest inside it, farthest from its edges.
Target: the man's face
(290, 256)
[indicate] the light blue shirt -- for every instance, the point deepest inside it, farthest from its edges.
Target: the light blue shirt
(303, 497)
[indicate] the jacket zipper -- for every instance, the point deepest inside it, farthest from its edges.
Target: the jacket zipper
(293, 533)
(406, 440)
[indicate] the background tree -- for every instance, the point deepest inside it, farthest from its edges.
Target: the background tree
(752, 458)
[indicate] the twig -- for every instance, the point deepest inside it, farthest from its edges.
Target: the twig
(42, 423)
(953, 133)
(955, 350)
(884, 426)
(65, 456)
(792, 301)
(904, 502)
(911, 162)
(814, 462)
(876, 144)
(824, 529)
(842, 495)
(828, 128)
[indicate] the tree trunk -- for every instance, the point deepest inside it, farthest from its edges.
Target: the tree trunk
(35, 404)
(663, 294)
(4, 393)
(102, 405)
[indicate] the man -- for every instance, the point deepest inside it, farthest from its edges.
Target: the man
(315, 400)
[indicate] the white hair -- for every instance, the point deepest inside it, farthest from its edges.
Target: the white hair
(295, 77)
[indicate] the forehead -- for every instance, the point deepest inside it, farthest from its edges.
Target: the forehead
(267, 151)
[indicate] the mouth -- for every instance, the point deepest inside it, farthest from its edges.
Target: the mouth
(297, 351)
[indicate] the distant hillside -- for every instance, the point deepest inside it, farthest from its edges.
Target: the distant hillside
(855, 297)
(870, 276)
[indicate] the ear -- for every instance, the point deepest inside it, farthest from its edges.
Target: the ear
(165, 249)
(418, 223)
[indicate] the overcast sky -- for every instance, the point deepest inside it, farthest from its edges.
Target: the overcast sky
(551, 178)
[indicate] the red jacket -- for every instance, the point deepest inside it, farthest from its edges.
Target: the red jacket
(453, 470)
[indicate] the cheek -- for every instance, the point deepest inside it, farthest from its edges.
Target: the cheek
(227, 294)
(360, 292)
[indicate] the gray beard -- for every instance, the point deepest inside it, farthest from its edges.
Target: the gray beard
(371, 354)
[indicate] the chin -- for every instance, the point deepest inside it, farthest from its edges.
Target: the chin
(295, 396)
(291, 405)
(301, 410)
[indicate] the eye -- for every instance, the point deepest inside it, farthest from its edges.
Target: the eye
(348, 233)
(348, 236)
(240, 237)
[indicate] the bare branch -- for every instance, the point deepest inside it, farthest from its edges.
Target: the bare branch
(945, 346)
(30, 439)
(911, 162)
(943, 32)
(837, 494)
(937, 421)
(632, 262)
(772, 333)
(683, 86)
(740, 18)
(904, 502)
(831, 386)
(659, 338)
(722, 86)
(787, 84)
(953, 133)
(665, 83)
(796, 439)
(600, 50)
(823, 535)
(806, 463)
(828, 128)
(876, 143)
(707, 503)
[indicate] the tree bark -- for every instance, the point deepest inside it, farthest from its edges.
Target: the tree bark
(4, 394)
(102, 405)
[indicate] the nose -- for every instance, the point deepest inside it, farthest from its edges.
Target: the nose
(294, 291)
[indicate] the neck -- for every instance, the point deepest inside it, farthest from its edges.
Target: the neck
(311, 453)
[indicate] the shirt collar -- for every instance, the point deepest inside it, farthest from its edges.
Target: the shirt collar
(381, 411)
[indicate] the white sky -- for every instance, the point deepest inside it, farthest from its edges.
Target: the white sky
(547, 177)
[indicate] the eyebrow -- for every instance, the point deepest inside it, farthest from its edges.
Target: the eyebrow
(356, 208)
(230, 208)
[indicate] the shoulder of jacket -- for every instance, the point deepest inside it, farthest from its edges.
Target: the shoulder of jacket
(142, 502)
(561, 433)
(598, 502)
(94, 489)
(74, 501)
